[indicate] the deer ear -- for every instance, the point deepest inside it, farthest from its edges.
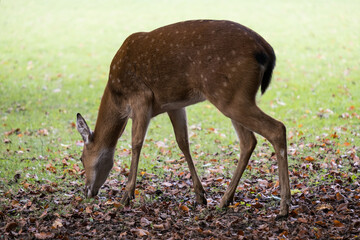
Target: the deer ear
(83, 128)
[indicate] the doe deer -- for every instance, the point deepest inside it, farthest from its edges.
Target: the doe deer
(175, 66)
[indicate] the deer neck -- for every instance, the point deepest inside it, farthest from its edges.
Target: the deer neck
(108, 126)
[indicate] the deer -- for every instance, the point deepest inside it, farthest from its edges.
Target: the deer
(170, 68)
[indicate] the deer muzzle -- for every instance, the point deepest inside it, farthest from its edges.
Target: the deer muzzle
(90, 191)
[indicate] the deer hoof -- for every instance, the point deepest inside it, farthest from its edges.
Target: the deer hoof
(126, 199)
(224, 203)
(201, 199)
(281, 217)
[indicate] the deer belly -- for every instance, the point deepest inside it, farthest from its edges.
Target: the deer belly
(177, 101)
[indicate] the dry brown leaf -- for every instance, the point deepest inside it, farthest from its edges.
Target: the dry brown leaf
(57, 223)
(184, 208)
(140, 232)
(338, 223)
(144, 222)
(159, 227)
(44, 235)
(309, 159)
(339, 196)
(324, 207)
(321, 223)
(88, 210)
(10, 226)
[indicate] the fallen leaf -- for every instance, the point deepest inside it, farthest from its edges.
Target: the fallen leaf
(88, 210)
(140, 232)
(257, 205)
(338, 223)
(324, 207)
(321, 223)
(10, 226)
(159, 227)
(44, 235)
(309, 159)
(144, 222)
(57, 223)
(184, 208)
(339, 196)
(167, 184)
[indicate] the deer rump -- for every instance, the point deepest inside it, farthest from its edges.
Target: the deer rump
(189, 62)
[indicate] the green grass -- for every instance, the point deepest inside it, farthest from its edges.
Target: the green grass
(55, 55)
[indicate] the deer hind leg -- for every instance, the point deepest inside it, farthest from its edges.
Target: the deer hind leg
(252, 118)
(178, 120)
(140, 122)
(247, 146)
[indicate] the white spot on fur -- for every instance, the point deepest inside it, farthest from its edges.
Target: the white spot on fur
(233, 52)
(233, 69)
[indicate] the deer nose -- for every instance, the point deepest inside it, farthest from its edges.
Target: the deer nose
(90, 192)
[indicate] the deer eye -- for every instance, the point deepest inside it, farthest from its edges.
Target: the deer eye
(81, 159)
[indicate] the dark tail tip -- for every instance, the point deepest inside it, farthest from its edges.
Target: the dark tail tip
(262, 59)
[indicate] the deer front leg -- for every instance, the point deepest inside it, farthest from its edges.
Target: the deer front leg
(178, 120)
(247, 146)
(140, 123)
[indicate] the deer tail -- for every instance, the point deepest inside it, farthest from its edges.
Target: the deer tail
(267, 60)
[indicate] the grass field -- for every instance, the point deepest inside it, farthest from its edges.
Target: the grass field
(54, 60)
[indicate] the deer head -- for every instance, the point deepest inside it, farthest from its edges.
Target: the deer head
(97, 162)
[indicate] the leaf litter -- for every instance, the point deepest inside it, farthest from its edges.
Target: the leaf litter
(325, 199)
